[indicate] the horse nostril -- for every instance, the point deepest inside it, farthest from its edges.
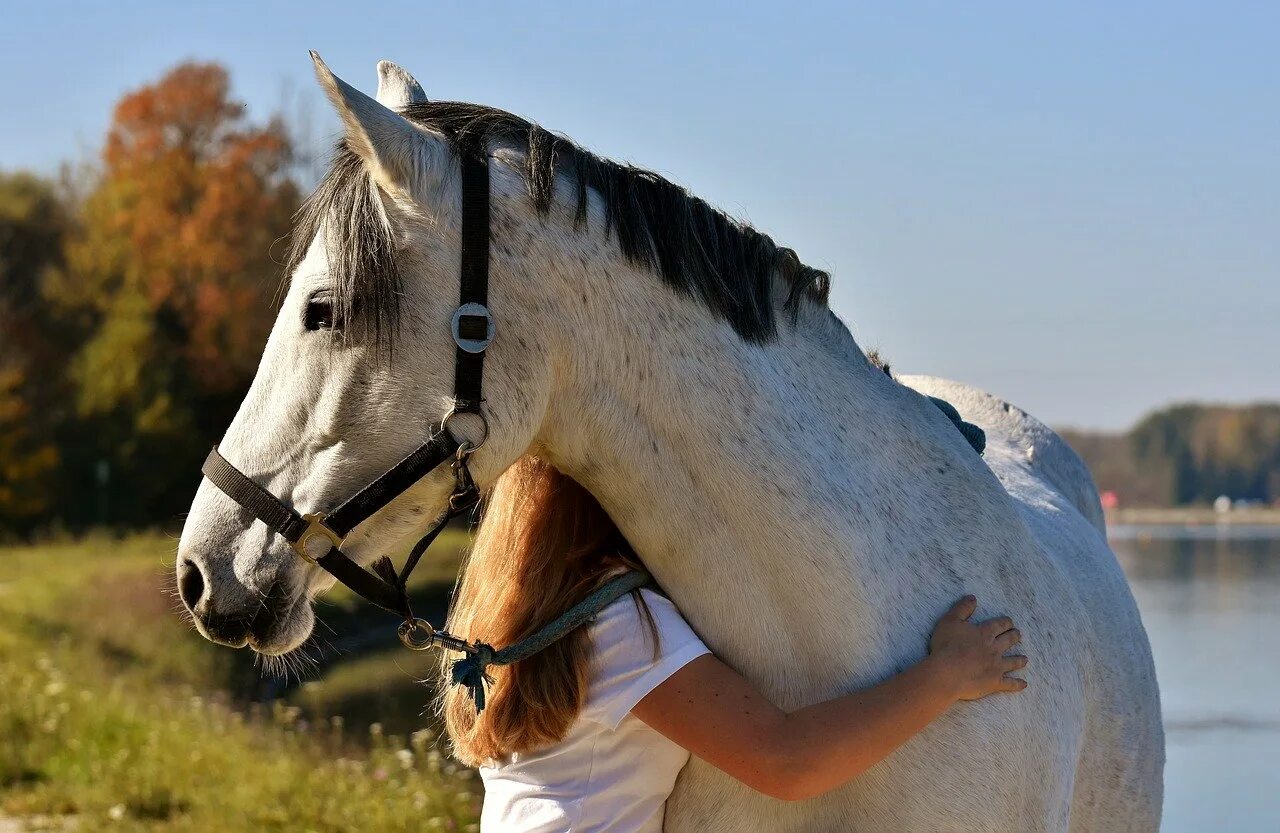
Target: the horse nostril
(190, 583)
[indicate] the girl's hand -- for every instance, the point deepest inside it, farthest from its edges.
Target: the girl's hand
(972, 654)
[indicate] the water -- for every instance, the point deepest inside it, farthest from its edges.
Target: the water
(1210, 598)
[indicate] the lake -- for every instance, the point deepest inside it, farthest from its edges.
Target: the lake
(1210, 598)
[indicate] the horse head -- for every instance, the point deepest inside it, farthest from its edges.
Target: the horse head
(359, 366)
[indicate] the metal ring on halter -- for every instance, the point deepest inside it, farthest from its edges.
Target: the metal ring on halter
(409, 631)
(484, 423)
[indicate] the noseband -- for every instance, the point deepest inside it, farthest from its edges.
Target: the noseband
(473, 332)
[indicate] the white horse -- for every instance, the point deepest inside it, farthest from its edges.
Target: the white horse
(810, 516)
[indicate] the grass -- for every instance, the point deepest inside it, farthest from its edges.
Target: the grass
(115, 713)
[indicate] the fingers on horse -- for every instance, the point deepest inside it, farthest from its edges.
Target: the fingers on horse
(962, 609)
(1007, 640)
(1012, 663)
(1008, 683)
(994, 627)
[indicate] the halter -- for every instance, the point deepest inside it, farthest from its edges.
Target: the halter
(472, 327)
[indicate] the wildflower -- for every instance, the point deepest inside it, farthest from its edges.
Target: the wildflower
(421, 739)
(116, 812)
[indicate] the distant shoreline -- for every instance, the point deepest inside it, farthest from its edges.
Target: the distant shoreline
(1194, 516)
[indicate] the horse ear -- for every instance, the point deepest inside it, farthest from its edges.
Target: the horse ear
(397, 89)
(393, 148)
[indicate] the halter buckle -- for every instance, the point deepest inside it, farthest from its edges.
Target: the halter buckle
(315, 528)
(472, 327)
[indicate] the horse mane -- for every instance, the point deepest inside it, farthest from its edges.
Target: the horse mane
(695, 248)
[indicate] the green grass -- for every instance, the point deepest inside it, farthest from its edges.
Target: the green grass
(113, 711)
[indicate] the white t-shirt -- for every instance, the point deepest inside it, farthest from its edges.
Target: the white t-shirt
(611, 772)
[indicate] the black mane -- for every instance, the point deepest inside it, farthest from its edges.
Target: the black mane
(695, 248)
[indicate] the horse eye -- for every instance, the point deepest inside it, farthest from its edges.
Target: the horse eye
(319, 315)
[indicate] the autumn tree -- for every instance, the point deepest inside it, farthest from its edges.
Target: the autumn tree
(170, 275)
(33, 223)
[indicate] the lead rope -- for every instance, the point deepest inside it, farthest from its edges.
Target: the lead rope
(471, 670)
(975, 436)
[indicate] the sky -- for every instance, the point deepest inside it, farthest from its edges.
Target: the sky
(1075, 206)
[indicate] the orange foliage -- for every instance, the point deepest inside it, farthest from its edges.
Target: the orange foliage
(189, 204)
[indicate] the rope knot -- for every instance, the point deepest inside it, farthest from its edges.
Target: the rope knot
(470, 671)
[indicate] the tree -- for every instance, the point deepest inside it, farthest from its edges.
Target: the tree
(1215, 450)
(33, 223)
(1189, 454)
(169, 274)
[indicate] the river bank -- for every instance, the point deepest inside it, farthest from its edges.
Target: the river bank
(1193, 516)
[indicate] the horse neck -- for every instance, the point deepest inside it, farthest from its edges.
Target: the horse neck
(749, 476)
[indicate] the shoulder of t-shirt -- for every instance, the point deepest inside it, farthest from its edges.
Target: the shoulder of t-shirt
(627, 664)
(628, 609)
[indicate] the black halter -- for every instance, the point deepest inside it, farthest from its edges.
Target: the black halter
(473, 331)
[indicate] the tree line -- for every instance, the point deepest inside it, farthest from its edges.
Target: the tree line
(1189, 454)
(135, 296)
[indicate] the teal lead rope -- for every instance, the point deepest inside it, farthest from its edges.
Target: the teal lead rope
(976, 437)
(470, 671)
(973, 435)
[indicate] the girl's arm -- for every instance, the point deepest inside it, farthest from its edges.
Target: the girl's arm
(711, 710)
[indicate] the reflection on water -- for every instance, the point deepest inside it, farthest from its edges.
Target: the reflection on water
(1210, 598)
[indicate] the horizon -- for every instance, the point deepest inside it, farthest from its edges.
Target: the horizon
(1076, 217)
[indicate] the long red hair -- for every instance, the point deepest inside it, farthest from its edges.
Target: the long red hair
(543, 544)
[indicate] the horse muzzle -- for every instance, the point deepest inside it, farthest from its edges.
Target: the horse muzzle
(236, 616)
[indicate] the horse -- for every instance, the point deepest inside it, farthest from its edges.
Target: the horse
(810, 515)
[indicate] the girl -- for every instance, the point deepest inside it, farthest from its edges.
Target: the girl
(589, 734)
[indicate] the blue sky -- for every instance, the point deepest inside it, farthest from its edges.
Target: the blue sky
(1075, 206)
